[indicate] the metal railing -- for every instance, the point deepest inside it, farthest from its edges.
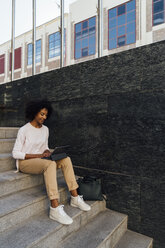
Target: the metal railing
(100, 29)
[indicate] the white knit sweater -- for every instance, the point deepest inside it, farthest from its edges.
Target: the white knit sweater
(30, 140)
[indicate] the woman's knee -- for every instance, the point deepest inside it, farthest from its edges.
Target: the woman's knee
(51, 164)
(66, 162)
(68, 159)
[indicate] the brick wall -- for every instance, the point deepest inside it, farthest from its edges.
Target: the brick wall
(111, 111)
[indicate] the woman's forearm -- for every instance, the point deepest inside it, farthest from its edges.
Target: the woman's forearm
(29, 156)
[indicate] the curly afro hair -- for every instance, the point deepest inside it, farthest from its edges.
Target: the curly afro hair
(33, 107)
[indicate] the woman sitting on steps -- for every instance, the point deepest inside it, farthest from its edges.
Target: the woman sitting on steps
(31, 146)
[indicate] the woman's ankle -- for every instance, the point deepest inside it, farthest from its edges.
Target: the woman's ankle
(54, 203)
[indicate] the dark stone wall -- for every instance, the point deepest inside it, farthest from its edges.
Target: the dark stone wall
(111, 111)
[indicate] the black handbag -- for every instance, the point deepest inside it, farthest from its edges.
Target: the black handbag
(90, 188)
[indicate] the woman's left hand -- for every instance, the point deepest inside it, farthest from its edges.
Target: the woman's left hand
(47, 153)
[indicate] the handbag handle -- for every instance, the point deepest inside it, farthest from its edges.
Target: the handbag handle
(89, 178)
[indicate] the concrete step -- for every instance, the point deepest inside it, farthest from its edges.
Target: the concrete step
(7, 162)
(20, 181)
(8, 132)
(134, 240)
(6, 145)
(40, 231)
(103, 231)
(18, 207)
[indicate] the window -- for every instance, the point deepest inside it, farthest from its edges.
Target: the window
(2, 63)
(38, 52)
(55, 44)
(122, 25)
(30, 54)
(17, 59)
(158, 12)
(85, 38)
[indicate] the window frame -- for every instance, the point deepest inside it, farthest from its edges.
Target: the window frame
(159, 12)
(121, 25)
(81, 38)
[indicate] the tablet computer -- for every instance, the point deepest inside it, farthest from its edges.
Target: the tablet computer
(60, 149)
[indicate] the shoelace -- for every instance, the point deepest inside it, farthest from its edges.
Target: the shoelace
(61, 210)
(81, 198)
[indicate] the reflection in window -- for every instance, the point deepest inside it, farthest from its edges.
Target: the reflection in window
(2, 63)
(38, 52)
(122, 25)
(158, 12)
(85, 38)
(55, 44)
(17, 58)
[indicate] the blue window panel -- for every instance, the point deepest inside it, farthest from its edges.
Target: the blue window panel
(51, 37)
(121, 19)
(57, 51)
(57, 36)
(78, 27)
(30, 61)
(84, 43)
(112, 13)
(85, 38)
(158, 18)
(92, 21)
(121, 10)
(85, 24)
(38, 43)
(85, 52)
(84, 33)
(112, 23)
(130, 27)
(54, 44)
(121, 41)
(112, 44)
(130, 38)
(38, 58)
(131, 16)
(91, 49)
(92, 40)
(38, 51)
(92, 30)
(78, 35)
(29, 47)
(112, 33)
(51, 53)
(57, 42)
(51, 45)
(78, 45)
(121, 30)
(78, 54)
(131, 5)
(30, 54)
(159, 6)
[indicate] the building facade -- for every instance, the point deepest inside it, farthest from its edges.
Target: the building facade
(125, 25)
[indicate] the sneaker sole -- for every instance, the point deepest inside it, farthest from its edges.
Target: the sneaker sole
(79, 207)
(59, 221)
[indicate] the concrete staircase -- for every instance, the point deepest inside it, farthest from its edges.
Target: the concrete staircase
(24, 209)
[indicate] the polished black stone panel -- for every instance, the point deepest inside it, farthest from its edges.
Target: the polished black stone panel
(111, 111)
(153, 209)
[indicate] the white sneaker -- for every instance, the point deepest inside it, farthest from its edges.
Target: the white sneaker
(78, 202)
(60, 215)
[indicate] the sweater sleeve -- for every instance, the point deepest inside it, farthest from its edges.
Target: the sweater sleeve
(46, 143)
(16, 152)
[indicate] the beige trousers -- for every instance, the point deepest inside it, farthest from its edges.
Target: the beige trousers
(48, 168)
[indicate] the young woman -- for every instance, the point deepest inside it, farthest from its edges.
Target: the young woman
(31, 146)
